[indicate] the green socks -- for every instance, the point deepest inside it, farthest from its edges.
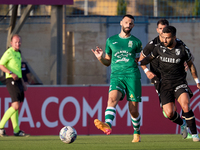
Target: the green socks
(110, 115)
(136, 124)
(14, 119)
(6, 116)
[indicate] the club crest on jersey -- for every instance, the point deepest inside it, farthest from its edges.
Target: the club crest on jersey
(164, 50)
(177, 51)
(130, 44)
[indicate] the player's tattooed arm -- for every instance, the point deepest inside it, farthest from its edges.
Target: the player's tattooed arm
(150, 57)
(146, 60)
(192, 69)
(148, 73)
(194, 72)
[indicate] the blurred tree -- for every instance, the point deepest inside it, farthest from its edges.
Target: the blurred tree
(196, 11)
(121, 7)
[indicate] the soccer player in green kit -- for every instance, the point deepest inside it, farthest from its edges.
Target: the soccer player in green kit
(122, 50)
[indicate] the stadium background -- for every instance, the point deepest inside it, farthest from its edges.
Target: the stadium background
(86, 27)
(86, 24)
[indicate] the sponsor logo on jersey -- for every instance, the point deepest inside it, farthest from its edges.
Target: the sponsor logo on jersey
(114, 42)
(169, 60)
(122, 56)
(123, 59)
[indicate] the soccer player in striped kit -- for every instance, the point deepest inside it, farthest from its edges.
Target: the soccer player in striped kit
(122, 50)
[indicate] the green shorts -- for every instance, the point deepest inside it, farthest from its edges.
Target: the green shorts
(130, 87)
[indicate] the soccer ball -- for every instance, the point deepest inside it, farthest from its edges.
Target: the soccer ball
(68, 134)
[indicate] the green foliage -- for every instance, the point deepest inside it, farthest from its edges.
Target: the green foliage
(121, 7)
(196, 10)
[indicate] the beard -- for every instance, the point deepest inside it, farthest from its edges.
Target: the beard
(170, 43)
(126, 31)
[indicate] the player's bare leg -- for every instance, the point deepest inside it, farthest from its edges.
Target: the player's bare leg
(189, 115)
(175, 117)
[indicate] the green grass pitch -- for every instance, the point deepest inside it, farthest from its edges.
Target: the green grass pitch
(99, 142)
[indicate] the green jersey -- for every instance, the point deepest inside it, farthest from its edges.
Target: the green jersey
(11, 59)
(123, 52)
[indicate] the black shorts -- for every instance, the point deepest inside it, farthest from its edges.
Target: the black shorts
(15, 89)
(156, 82)
(171, 91)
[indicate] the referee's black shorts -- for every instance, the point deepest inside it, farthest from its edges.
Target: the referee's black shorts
(15, 89)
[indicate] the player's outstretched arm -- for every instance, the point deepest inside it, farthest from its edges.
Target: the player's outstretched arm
(185, 63)
(98, 52)
(194, 73)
